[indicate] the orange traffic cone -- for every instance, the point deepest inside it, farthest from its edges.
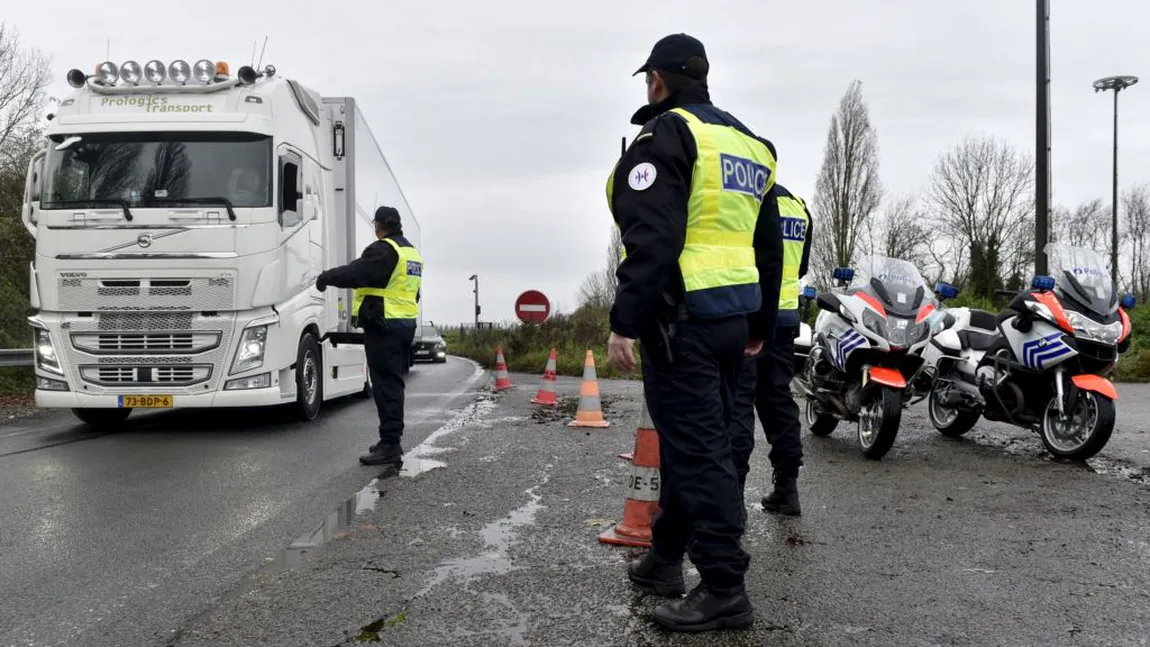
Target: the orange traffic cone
(641, 500)
(590, 411)
(502, 379)
(547, 394)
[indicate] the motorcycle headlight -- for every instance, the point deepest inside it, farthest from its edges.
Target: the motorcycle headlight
(250, 354)
(874, 323)
(899, 331)
(46, 359)
(1086, 329)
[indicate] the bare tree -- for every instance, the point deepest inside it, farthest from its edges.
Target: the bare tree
(23, 79)
(1136, 206)
(982, 191)
(1087, 225)
(598, 289)
(848, 190)
(899, 231)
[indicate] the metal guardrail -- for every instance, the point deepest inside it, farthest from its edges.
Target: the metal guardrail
(17, 357)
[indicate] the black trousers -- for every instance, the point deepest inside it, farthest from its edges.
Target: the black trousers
(388, 355)
(690, 400)
(765, 385)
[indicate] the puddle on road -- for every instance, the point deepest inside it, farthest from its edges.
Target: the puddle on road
(332, 525)
(498, 535)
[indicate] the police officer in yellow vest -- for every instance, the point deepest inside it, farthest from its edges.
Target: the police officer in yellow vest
(385, 304)
(686, 197)
(765, 384)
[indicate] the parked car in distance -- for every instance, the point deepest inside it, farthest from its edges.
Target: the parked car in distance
(431, 345)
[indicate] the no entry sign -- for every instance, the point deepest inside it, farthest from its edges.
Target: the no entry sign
(532, 307)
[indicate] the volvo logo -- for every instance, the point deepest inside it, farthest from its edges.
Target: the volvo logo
(144, 240)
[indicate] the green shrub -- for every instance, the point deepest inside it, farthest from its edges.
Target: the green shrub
(526, 347)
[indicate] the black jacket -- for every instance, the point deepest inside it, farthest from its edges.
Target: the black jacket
(653, 221)
(372, 269)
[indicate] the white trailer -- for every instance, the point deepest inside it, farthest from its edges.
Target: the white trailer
(181, 216)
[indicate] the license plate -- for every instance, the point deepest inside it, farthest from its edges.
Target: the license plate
(145, 402)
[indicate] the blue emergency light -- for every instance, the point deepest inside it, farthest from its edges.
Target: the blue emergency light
(945, 290)
(810, 292)
(1128, 301)
(843, 274)
(1042, 283)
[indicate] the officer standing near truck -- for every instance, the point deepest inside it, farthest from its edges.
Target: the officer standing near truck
(385, 304)
(765, 384)
(686, 197)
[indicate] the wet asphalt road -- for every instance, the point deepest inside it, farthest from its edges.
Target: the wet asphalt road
(489, 539)
(119, 539)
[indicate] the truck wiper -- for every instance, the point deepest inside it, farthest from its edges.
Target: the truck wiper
(92, 204)
(211, 200)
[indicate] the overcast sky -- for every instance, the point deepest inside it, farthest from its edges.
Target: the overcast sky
(502, 119)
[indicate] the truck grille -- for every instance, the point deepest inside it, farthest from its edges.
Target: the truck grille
(146, 375)
(147, 295)
(107, 343)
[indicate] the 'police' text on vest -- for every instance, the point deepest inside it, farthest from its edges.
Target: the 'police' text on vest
(742, 175)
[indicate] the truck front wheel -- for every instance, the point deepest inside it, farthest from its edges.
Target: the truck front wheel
(308, 378)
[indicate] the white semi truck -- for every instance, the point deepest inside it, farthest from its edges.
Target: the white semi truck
(181, 215)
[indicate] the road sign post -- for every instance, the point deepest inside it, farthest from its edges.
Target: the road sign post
(532, 307)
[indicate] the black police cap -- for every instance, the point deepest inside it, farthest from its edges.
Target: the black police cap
(671, 54)
(387, 216)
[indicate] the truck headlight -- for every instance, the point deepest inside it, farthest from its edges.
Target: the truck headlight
(250, 354)
(46, 359)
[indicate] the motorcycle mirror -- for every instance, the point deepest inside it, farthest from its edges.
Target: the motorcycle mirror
(1042, 283)
(945, 290)
(1128, 301)
(844, 274)
(827, 301)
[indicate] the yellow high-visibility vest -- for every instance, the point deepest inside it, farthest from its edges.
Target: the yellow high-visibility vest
(400, 297)
(731, 177)
(794, 222)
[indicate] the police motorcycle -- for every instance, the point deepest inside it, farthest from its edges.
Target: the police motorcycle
(865, 360)
(1043, 363)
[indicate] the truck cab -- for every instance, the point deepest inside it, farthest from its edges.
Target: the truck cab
(181, 216)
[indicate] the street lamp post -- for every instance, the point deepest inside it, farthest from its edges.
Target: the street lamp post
(1117, 84)
(475, 278)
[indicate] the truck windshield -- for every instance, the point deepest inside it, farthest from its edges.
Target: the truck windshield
(154, 169)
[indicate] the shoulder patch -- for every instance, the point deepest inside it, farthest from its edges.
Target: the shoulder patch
(642, 176)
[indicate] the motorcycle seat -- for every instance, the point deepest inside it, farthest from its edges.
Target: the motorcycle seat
(977, 339)
(983, 320)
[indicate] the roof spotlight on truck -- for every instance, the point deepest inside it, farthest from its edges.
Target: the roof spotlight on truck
(155, 72)
(108, 73)
(131, 72)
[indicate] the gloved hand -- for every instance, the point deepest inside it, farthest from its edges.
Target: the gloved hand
(320, 284)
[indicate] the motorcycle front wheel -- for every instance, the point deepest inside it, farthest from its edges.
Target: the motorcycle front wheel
(1085, 431)
(878, 422)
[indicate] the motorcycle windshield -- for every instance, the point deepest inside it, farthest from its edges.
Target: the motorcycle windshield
(893, 281)
(1082, 277)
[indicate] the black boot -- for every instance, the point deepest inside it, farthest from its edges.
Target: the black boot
(381, 454)
(784, 497)
(703, 610)
(662, 578)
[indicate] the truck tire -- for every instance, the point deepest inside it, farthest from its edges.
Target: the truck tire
(102, 419)
(308, 378)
